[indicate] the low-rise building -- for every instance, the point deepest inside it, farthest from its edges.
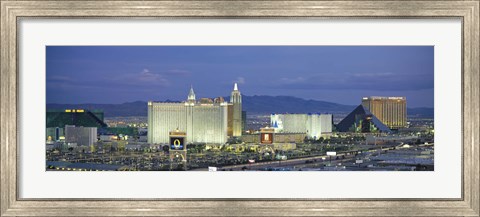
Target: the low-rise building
(313, 125)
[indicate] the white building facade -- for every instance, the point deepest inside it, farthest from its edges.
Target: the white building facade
(203, 123)
(314, 125)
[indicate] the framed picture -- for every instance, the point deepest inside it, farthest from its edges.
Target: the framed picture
(228, 108)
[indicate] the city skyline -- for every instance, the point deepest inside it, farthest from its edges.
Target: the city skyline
(339, 74)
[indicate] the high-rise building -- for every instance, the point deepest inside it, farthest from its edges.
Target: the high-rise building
(314, 125)
(203, 122)
(230, 120)
(392, 111)
(244, 120)
(236, 101)
(82, 136)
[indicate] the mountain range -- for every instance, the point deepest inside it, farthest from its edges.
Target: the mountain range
(252, 104)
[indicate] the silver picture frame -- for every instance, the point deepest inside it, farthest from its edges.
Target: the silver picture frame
(12, 11)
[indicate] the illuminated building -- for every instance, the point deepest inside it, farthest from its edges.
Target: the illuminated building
(361, 120)
(77, 117)
(266, 135)
(205, 121)
(62, 165)
(230, 120)
(178, 149)
(244, 120)
(392, 111)
(236, 101)
(81, 136)
(219, 100)
(314, 125)
(54, 133)
(206, 101)
(277, 138)
(318, 124)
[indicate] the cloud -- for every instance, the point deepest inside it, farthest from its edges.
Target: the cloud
(240, 80)
(140, 79)
(145, 77)
(379, 81)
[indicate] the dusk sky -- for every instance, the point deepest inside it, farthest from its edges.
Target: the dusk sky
(340, 74)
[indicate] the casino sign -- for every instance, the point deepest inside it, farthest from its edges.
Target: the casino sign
(177, 143)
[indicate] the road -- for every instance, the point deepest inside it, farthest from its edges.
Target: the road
(343, 156)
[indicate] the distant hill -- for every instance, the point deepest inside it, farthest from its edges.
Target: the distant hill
(421, 112)
(251, 104)
(290, 104)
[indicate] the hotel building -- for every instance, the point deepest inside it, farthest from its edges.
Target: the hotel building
(204, 121)
(391, 111)
(236, 102)
(314, 125)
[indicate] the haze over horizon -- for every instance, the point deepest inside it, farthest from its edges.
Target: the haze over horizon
(119, 103)
(338, 74)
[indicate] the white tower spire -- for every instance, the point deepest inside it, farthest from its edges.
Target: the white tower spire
(191, 94)
(235, 87)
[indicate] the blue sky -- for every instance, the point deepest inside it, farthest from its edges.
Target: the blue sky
(341, 74)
